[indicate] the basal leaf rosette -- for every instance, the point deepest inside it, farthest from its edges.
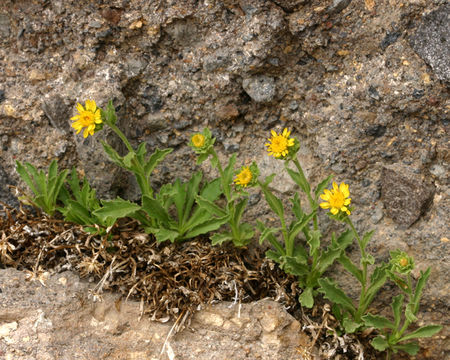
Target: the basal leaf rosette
(89, 118)
(281, 146)
(337, 200)
(247, 176)
(401, 262)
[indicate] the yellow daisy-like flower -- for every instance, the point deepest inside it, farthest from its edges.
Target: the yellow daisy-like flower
(244, 177)
(198, 140)
(280, 143)
(336, 199)
(87, 118)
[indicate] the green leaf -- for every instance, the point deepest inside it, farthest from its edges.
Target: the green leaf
(396, 305)
(332, 292)
(246, 232)
(212, 190)
(350, 326)
(155, 159)
(377, 280)
(379, 343)
(299, 225)
(192, 189)
(113, 154)
(322, 186)
(228, 172)
(423, 332)
(378, 322)
(314, 241)
(154, 209)
(162, 234)
(297, 206)
(201, 158)
(128, 160)
(306, 298)
(294, 266)
(26, 177)
(327, 258)
(274, 255)
(275, 204)
(207, 226)
(351, 268)
(116, 209)
(419, 288)
(266, 232)
(210, 207)
(299, 180)
(344, 240)
(409, 313)
(219, 239)
(366, 238)
(178, 196)
(239, 210)
(411, 348)
(110, 113)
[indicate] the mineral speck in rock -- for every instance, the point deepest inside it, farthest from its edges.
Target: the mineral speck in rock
(405, 195)
(260, 88)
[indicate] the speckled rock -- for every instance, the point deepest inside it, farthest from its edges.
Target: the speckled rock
(431, 41)
(405, 195)
(31, 326)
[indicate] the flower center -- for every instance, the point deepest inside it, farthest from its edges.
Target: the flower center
(403, 262)
(245, 176)
(198, 140)
(279, 144)
(337, 200)
(87, 118)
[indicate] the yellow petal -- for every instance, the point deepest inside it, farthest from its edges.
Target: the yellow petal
(324, 205)
(334, 211)
(335, 187)
(76, 117)
(273, 133)
(90, 105)
(80, 108)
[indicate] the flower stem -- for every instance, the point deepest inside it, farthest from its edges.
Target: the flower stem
(311, 201)
(362, 298)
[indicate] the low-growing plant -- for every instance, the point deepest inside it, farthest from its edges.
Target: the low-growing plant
(190, 220)
(393, 336)
(45, 187)
(349, 314)
(240, 233)
(307, 265)
(80, 202)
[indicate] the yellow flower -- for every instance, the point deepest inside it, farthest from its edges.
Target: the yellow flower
(198, 140)
(87, 118)
(244, 177)
(336, 199)
(280, 143)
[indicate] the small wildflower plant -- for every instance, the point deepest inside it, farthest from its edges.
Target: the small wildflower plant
(240, 233)
(307, 265)
(45, 187)
(392, 333)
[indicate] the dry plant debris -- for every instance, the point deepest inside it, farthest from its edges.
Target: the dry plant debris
(172, 281)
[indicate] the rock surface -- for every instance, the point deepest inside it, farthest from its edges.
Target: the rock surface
(54, 319)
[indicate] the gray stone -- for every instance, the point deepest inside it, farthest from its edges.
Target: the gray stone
(260, 88)
(6, 195)
(404, 194)
(431, 41)
(5, 26)
(57, 112)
